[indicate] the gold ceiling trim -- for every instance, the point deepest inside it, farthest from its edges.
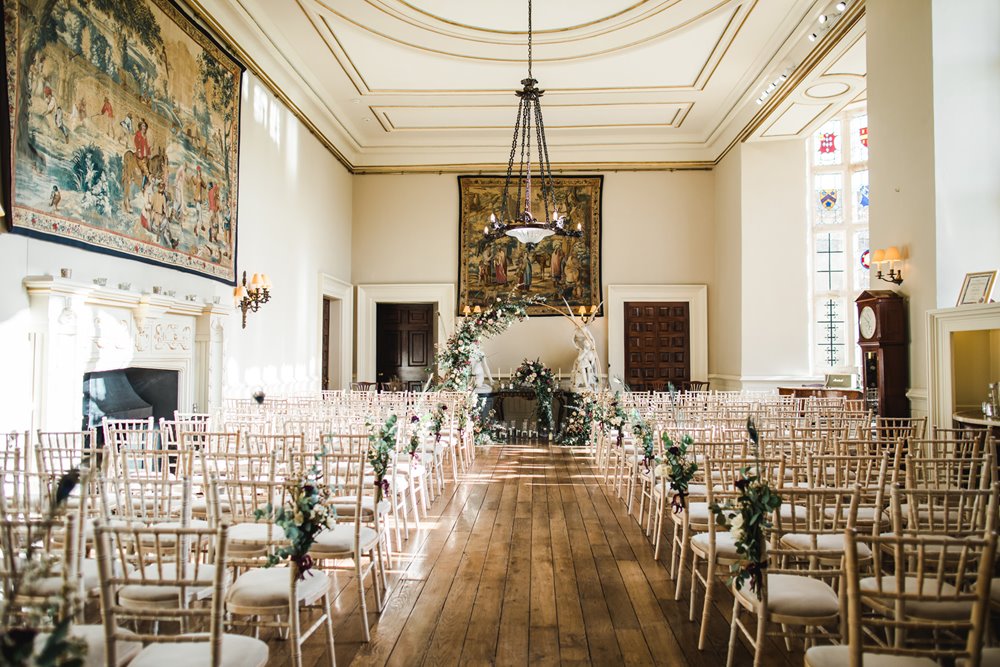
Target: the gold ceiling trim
(441, 52)
(563, 167)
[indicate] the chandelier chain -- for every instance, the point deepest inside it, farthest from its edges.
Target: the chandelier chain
(529, 39)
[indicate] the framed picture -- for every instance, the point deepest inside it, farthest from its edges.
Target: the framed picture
(124, 132)
(558, 268)
(977, 288)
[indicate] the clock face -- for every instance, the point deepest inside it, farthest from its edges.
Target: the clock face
(866, 322)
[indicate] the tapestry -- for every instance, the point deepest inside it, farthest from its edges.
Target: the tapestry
(124, 132)
(559, 267)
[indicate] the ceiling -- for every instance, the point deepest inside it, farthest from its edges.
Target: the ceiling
(403, 85)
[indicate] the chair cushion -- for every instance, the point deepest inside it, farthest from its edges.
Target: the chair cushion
(995, 592)
(989, 658)
(269, 588)
(93, 636)
(725, 545)
(145, 595)
(253, 533)
(839, 656)
(345, 505)
(827, 542)
(237, 651)
(340, 541)
(794, 595)
(929, 609)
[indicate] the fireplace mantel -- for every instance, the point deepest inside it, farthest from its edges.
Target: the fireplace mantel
(78, 328)
(941, 324)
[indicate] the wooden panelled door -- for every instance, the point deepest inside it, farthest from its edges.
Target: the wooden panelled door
(657, 344)
(326, 344)
(404, 343)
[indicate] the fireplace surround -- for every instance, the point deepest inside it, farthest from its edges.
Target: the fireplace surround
(79, 328)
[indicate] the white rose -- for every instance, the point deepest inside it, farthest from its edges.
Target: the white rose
(736, 527)
(662, 470)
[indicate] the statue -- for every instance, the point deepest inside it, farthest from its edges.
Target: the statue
(481, 371)
(585, 376)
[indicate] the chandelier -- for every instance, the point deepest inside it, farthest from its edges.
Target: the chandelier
(515, 218)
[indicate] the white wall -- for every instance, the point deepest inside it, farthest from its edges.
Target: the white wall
(901, 162)
(966, 48)
(725, 303)
(775, 313)
(294, 222)
(658, 229)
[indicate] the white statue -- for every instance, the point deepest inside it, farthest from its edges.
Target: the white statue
(585, 375)
(480, 372)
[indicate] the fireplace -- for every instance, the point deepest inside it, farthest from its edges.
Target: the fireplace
(168, 351)
(129, 393)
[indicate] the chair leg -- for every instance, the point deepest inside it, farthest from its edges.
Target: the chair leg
(706, 604)
(295, 632)
(329, 630)
(730, 654)
(692, 589)
(413, 499)
(685, 545)
(359, 573)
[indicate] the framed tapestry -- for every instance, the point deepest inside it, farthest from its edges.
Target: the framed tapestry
(559, 267)
(124, 132)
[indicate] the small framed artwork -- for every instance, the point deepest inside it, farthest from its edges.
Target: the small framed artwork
(977, 288)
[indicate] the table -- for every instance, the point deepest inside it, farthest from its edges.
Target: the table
(821, 392)
(975, 418)
(495, 400)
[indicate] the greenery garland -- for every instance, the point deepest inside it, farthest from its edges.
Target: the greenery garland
(381, 444)
(540, 378)
(748, 520)
(677, 468)
(304, 515)
(454, 359)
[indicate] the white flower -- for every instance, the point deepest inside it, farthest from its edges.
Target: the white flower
(662, 470)
(736, 527)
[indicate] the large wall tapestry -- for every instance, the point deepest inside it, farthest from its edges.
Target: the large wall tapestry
(558, 268)
(124, 131)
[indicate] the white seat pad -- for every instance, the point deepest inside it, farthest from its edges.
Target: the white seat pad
(268, 588)
(93, 636)
(930, 609)
(725, 545)
(237, 651)
(142, 594)
(340, 540)
(839, 656)
(253, 533)
(793, 595)
(829, 542)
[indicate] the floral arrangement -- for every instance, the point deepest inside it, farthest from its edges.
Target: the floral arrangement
(578, 426)
(417, 432)
(613, 417)
(485, 430)
(21, 623)
(302, 516)
(677, 468)
(644, 434)
(382, 442)
(539, 377)
(748, 520)
(454, 360)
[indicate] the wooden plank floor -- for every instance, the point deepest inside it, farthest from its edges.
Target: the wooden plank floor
(528, 560)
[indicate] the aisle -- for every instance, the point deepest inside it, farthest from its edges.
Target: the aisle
(526, 561)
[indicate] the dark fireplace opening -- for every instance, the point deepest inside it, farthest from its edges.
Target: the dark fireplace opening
(128, 393)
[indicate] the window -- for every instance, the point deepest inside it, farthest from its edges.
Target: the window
(838, 239)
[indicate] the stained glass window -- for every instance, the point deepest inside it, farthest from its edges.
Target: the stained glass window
(859, 138)
(828, 199)
(828, 144)
(838, 220)
(859, 184)
(830, 335)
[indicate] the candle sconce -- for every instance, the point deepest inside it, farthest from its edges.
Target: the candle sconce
(251, 297)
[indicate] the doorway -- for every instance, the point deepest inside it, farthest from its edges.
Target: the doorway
(404, 343)
(331, 362)
(657, 344)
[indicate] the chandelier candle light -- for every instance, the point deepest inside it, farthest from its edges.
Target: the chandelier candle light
(523, 225)
(254, 295)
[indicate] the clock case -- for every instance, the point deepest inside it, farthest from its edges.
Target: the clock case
(885, 356)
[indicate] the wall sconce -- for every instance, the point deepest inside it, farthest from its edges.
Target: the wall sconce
(254, 295)
(587, 314)
(890, 255)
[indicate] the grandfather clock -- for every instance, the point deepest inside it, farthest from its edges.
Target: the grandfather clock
(884, 342)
